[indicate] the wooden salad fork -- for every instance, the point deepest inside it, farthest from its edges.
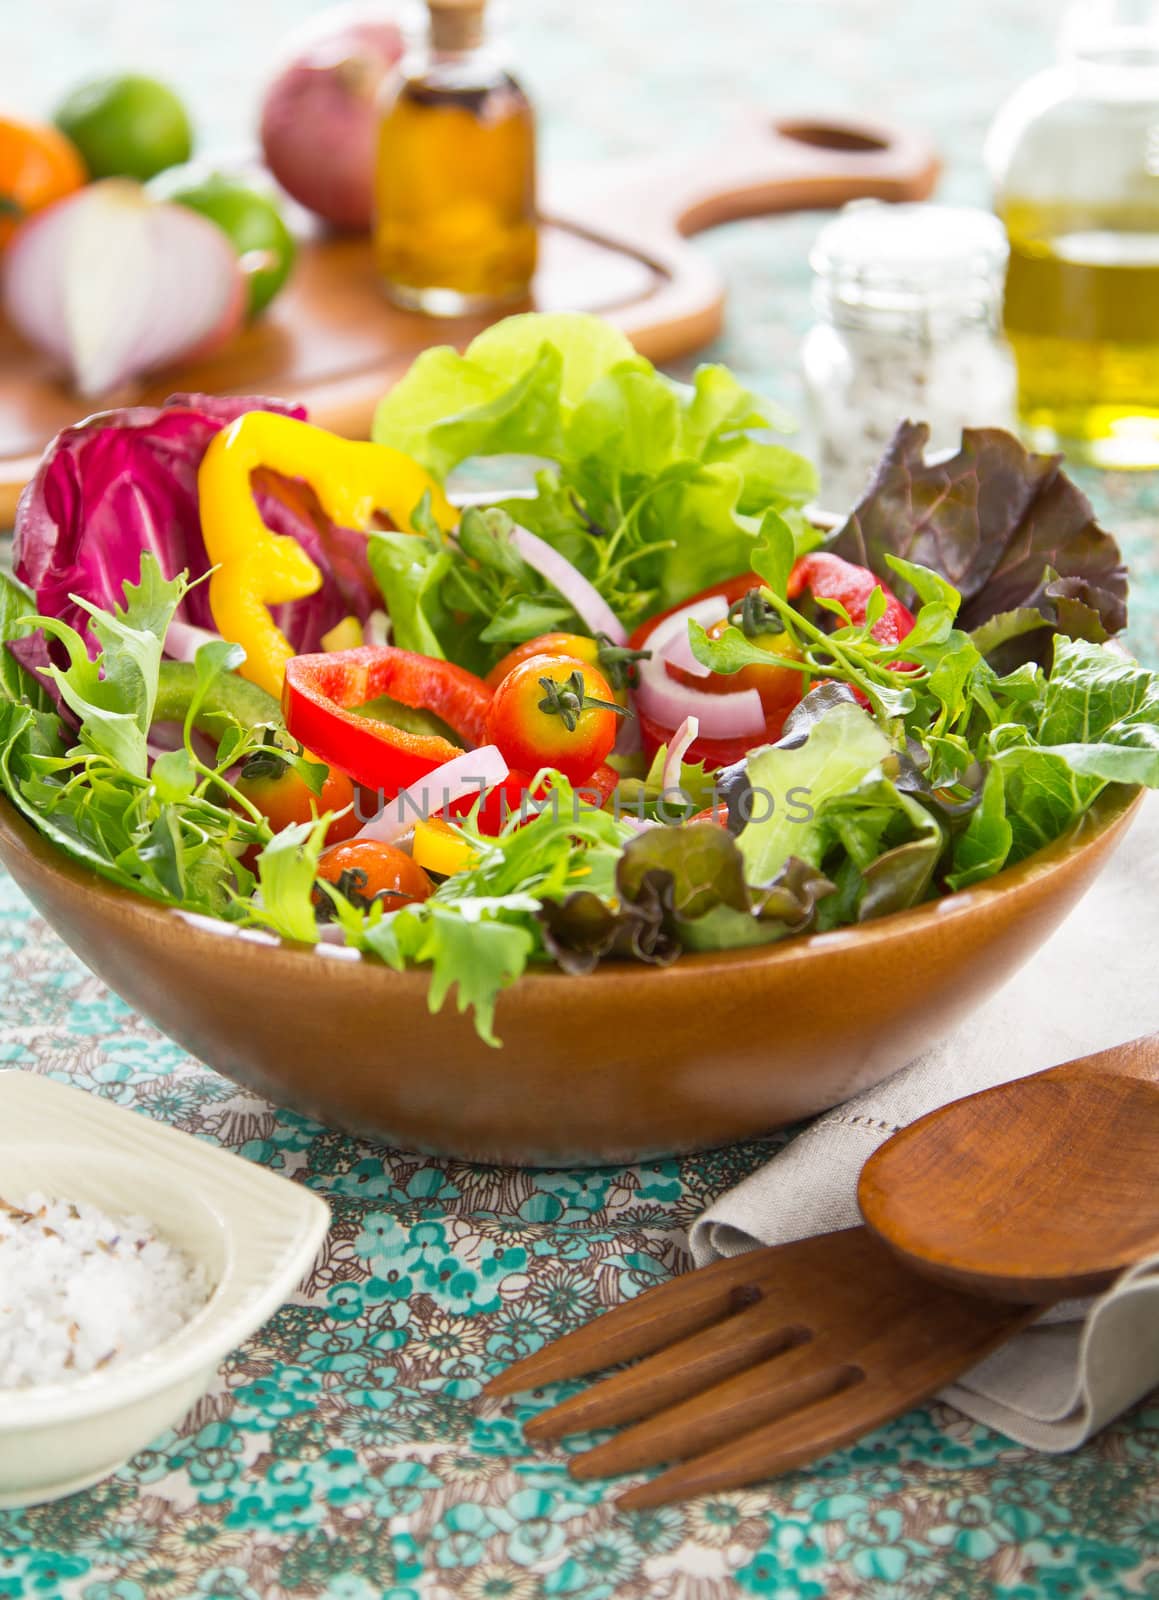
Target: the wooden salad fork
(766, 1361)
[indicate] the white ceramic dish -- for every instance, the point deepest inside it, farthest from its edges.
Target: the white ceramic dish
(255, 1233)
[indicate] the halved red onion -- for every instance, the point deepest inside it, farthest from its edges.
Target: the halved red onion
(115, 284)
(584, 598)
(685, 736)
(467, 775)
(183, 640)
(667, 702)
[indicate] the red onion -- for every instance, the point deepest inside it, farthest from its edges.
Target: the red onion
(584, 598)
(115, 284)
(685, 736)
(183, 640)
(668, 702)
(678, 652)
(319, 117)
(468, 774)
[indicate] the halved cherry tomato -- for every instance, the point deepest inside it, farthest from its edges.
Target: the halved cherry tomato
(554, 711)
(365, 870)
(283, 797)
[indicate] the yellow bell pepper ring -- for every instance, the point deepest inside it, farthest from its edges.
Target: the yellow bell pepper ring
(255, 568)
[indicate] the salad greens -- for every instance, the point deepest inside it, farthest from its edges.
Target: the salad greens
(907, 770)
(653, 492)
(167, 823)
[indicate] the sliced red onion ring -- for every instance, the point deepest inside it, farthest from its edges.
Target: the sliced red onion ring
(667, 702)
(686, 734)
(677, 651)
(183, 640)
(469, 774)
(584, 598)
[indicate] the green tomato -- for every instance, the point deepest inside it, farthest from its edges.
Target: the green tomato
(127, 126)
(249, 218)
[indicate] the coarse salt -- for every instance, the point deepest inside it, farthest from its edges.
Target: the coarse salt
(81, 1291)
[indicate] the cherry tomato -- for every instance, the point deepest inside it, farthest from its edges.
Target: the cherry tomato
(365, 870)
(574, 645)
(283, 797)
(554, 711)
(614, 662)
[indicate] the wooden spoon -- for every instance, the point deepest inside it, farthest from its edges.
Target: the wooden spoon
(1034, 1191)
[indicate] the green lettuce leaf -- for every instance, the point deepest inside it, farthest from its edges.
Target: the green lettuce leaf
(790, 783)
(654, 492)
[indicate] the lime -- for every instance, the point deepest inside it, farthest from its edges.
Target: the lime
(250, 219)
(127, 126)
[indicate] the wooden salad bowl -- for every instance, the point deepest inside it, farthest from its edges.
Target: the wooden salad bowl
(629, 1063)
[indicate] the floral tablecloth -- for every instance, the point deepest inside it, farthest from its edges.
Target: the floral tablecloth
(344, 1452)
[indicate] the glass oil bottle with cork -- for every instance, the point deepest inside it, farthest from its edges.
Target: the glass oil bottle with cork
(1074, 160)
(455, 228)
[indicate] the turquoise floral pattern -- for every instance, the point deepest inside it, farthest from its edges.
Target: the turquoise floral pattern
(345, 1452)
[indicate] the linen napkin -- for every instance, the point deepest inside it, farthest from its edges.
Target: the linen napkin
(1093, 984)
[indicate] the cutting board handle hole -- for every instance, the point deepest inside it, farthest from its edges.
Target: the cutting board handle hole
(827, 136)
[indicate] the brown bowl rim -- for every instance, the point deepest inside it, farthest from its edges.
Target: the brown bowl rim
(1115, 805)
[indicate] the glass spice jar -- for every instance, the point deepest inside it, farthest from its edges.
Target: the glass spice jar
(909, 302)
(455, 227)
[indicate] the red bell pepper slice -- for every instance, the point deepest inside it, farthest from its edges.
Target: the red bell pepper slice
(321, 691)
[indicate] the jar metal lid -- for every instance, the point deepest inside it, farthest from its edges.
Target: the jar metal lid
(912, 257)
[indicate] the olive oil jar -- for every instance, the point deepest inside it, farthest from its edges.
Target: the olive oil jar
(455, 229)
(1074, 161)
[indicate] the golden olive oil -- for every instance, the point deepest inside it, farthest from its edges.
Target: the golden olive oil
(455, 227)
(1082, 316)
(455, 223)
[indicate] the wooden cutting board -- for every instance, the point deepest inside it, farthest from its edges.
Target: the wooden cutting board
(614, 241)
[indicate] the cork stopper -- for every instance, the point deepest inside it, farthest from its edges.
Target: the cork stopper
(456, 24)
